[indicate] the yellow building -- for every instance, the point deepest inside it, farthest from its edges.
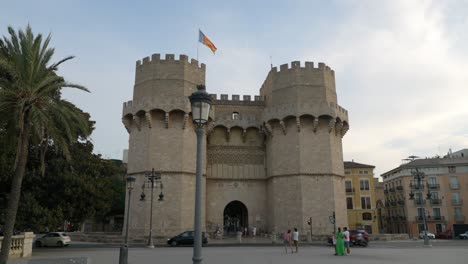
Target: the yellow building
(360, 196)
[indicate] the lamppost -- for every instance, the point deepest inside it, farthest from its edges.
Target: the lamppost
(153, 177)
(419, 177)
(123, 256)
(201, 102)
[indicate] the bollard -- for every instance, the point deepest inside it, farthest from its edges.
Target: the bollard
(123, 256)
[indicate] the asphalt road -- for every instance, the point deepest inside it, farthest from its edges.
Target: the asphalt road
(411, 252)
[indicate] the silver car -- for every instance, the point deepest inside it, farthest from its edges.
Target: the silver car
(429, 235)
(58, 239)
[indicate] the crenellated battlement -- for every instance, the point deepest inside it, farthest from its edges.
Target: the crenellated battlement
(168, 59)
(308, 66)
(236, 100)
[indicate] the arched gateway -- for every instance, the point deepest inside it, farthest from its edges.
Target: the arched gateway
(236, 217)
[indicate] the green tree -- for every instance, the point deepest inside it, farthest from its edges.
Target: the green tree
(35, 112)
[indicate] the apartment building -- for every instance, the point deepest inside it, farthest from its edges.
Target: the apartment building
(360, 196)
(439, 197)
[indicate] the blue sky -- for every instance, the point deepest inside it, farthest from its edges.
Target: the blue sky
(401, 66)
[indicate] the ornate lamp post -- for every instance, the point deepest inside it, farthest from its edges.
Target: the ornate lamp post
(123, 256)
(201, 103)
(419, 177)
(153, 177)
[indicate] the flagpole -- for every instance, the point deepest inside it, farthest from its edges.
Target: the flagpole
(198, 42)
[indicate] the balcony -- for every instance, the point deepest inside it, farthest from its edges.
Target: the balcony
(385, 191)
(401, 202)
(399, 188)
(435, 201)
(403, 218)
(393, 203)
(419, 218)
(416, 186)
(350, 190)
(436, 218)
(391, 190)
(457, 202)
(454, 187)
(459, 218)
(433, 186)
(419, 202)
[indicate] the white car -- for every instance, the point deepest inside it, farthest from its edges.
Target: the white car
(53, 239)
(429, 235)
(463, 235)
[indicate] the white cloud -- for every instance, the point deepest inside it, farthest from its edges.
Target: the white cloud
(405, 85)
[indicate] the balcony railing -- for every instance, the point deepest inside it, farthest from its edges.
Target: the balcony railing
(436, 218)
(350, 190)
(393, 203)
(419, 218)
(416, 186)
(401, 202)
(454, 186)
(399, 188)
(459, 218)
(435, 201)
(433, 186)
(385, 191)
(391, 190)
(419, 202)
(403, 218)
(457, 202)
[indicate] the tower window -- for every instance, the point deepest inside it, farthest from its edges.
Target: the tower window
(235, 115)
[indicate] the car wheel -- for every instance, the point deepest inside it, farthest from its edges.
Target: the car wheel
(38, 244)
(60, 244)
(173, 243)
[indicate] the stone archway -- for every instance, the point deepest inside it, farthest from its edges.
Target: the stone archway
(236, 217)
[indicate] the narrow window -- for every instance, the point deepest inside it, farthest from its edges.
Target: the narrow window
(235, 115)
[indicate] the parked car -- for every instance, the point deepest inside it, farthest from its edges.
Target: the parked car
(444, 235)
(429, 235)
(463, 235)
(59, 239)
(353, 236)
(185, 238)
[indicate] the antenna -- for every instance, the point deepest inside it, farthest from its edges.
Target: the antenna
(271, 62)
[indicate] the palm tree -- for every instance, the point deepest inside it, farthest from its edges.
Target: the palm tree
(30, 99)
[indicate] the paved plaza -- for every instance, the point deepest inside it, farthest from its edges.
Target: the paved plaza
(409, 252)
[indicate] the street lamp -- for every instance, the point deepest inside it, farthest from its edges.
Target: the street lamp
(153, 177)
(419, 177)
(200, 101)
(123, 256)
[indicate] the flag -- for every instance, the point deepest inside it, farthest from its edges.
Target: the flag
(205, 41)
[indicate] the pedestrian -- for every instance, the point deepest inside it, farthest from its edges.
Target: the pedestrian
(254, 231)
(334, 242)
(296, 238)
(339, 243)
(245, 231)
(346, 240)
(287, 241)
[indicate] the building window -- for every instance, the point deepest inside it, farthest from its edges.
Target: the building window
(454, 183)
(456, 198)
(347, 172)
(349, 203)
(364, 184)
(421, 213)
(452, 169)
(458, 211)
(366, 172)
(235, 115)
(438, 228)
(436, 212)
(365, 202)
(421, 227)
(367, 216)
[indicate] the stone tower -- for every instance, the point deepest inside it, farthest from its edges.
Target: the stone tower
(161, 136)
(271, 162)
(304, 157)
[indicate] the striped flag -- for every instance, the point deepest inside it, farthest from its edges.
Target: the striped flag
(206, 41)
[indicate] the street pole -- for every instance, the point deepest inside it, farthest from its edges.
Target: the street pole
(310, 219)
(334, 222)
(197, 254)
(123, 256)
(426, 239)
(150, 236)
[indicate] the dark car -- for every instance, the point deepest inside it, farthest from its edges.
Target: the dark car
(186, 238)
(443, 235)
(352, 236)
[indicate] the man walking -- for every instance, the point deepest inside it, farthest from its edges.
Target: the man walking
(296, 238)
(346, 240)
